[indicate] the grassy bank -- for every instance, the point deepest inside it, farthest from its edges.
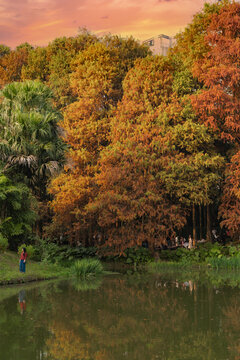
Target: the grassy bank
(224, 263)
(9, 270)
(202, 273)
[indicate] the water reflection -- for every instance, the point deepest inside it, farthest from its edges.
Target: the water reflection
(22, 301)
(87, 284)
(231, 326)
(133, 317)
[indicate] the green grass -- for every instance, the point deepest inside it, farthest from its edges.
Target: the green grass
(222, 271)
(225, 262)
(9, 270)
(87, 267)
(161, 266)
(221, 262)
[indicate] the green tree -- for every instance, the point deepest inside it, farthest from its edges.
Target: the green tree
(18, 210)
(31, 148)
(37, 67)
(30, 141)
(4, 50)
(52, 64)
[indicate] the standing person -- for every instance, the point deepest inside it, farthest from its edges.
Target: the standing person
(22, 262)
(190, 242)
(176, 241)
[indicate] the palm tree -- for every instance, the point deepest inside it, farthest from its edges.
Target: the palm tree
(30, 146)
(17, 209)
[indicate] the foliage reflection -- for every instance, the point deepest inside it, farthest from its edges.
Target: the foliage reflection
(125, 317)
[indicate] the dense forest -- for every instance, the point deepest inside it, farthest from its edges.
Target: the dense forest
(103, 144)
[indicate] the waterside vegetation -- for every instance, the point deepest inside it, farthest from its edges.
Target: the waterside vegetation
(9, 270)
(87, 267)
(81, 270)
(202, 274)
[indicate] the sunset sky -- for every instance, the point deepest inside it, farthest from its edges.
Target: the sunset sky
(40, 21)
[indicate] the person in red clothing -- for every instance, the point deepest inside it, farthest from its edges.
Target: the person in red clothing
(22, 262)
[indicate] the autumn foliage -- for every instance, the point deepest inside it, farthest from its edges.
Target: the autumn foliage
(152, 142)
(133, 204)
(97, 83)
(218, 104)
(148, 152)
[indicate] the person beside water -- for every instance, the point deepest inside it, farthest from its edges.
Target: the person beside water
(22, 261)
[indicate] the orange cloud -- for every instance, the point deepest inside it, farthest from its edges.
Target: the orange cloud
(41, 26)
(40, 21)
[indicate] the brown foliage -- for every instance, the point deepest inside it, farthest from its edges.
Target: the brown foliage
(11, 65)
(219, 70)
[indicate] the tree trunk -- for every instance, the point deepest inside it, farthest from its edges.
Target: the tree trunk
(194, 225)
(200, 223)
(209, 235)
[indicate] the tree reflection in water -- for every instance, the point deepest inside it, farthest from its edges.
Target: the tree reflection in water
(136, 318)
(231, 326)
(133, 317)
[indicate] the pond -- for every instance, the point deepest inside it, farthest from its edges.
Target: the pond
(125, 316)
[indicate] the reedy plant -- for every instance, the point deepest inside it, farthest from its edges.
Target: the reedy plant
(87, 267)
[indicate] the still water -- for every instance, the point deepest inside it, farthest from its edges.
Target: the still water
(120, 317)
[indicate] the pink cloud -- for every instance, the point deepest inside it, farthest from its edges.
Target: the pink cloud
(40, 21)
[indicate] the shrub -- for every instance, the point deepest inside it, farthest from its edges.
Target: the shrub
(225, 262)
(136, 255)
(233, 251)
(199, 254)
(29, 248)
(3, 243)
(86, 267)
(50, 252)
(179, 255)
(169, 255)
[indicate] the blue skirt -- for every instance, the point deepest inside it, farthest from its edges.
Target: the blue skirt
(22, 266)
